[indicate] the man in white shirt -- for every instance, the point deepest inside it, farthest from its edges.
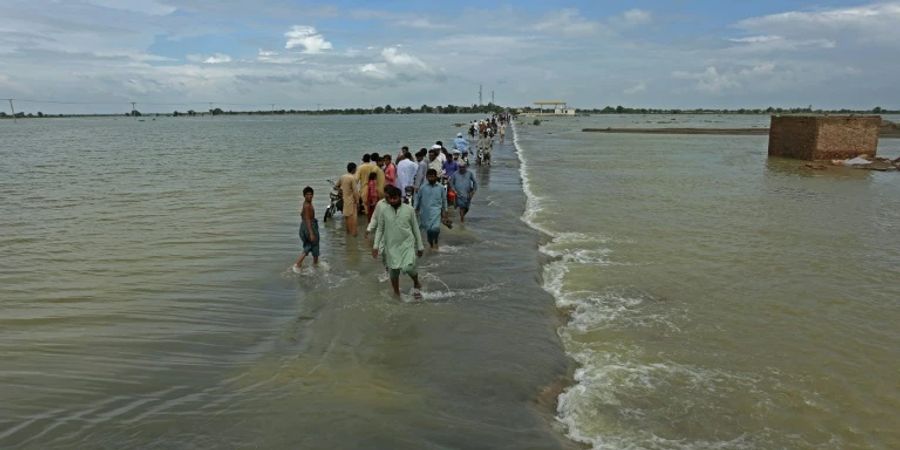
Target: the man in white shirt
(406, 172)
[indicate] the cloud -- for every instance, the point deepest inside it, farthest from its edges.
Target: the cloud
(867, 23)
(638, 88)
(634, 17)
(715, 81)
(216, 58)
(396, 65)
(399, 19)
(146, 7)
(567, 22)
(307, 38)
(770, 43)
(393, 57)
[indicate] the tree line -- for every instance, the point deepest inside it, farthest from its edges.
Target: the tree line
(489, 108)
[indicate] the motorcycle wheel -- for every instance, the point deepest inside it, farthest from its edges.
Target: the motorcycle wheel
(328, 213)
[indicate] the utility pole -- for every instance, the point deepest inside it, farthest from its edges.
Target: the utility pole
(13, 109)
(479, 95)
(492, 97)
(210, 109)
(133, 108)
(273, 108)
(318, 106)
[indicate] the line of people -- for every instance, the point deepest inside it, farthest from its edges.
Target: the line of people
(402, 200)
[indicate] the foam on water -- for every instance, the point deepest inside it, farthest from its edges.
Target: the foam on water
(600, 376)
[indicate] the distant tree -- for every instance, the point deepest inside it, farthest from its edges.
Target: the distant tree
(135, 113)
(379, 110)
(877, 110)
(426, 109)
(40, 114)
(191, 112)
(388, 109)
(176, 113)
(216, 111)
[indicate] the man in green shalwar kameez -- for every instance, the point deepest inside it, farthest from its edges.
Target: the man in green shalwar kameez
(397, 235)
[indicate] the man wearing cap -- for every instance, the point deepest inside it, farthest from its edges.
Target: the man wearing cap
(434, 159)
(452, 164)
(462, 144)
(463, 184)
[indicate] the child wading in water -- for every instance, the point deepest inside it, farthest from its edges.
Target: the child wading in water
(309, 229)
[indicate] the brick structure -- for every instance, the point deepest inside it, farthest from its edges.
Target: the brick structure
(813, 137)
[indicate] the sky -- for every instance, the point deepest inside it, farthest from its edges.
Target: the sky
(70, 56)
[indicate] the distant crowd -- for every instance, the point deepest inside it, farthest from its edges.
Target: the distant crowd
(406, 197)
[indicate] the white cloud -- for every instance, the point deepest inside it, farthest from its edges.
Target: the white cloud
(567, 22)
(376, 71)
(394, 57)
(867, 23)
(757, 39)
(770, 43)
(396, 65)
(307, 38)
(709, 80)
(216, 58)
(147, 7)
(714, 81)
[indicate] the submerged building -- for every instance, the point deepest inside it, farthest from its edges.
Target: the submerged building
(818, 137)
(553, 108)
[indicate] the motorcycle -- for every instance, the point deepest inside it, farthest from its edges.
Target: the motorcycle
(335, 201)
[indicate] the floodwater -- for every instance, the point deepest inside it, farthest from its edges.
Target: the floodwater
(146, 296)
(699, 294)
(718, 299)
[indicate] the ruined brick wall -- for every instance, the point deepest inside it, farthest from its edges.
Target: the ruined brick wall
(812, 137)
(847, 137)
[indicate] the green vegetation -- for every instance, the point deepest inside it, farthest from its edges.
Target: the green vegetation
(490, 108)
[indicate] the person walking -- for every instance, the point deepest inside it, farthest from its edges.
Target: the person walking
(406, 173)
(309, 230)
(397, 236)
(350, 193)
(431, 204)
(463, 186)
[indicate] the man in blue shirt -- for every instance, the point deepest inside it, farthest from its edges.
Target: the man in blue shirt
(463, 184)
(462, 144)
(431, 204)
